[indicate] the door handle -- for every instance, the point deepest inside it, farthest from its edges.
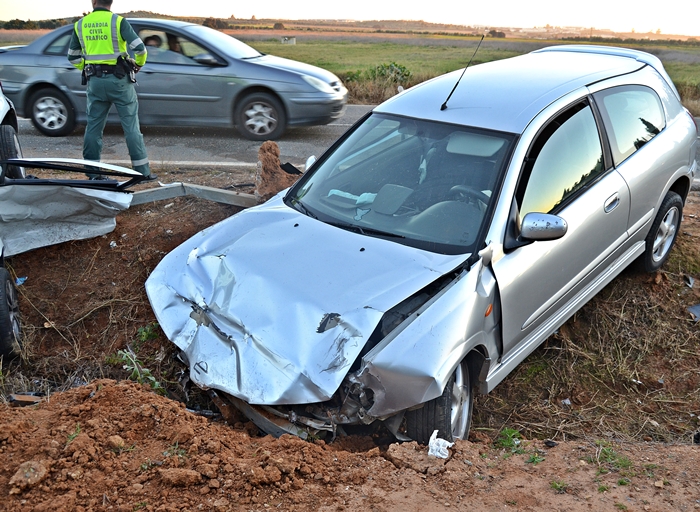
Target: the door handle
(611, 203)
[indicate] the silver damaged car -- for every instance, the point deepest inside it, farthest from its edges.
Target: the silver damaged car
(439, 242)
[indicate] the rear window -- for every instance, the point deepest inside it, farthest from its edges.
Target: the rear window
(633, 116)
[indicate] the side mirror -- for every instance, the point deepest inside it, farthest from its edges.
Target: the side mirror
(309, 162)
(542, 226)
(207, 59)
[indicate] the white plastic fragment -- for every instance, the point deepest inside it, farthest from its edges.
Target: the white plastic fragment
(437, 447)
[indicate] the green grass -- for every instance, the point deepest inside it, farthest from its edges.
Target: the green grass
(342, 57)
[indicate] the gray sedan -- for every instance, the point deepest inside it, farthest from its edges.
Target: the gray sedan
(449, 233)
(194, 76)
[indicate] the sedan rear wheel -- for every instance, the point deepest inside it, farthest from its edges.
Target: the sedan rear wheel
(52, 113)
(450, 413)
(662, 234)
(10, 329)
(10, 148)
(260, 116)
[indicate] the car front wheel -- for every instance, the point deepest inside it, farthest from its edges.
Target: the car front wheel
(260, 116)
(10, 148)
(10, 330)
(663, 233)
(52, 113)
(450, 413)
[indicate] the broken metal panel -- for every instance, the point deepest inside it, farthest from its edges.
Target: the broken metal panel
(186, 189)
(277, 323)
(41, 215)
(413, 364)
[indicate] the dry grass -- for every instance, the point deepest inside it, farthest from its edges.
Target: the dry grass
(624, 367)
(12, 36)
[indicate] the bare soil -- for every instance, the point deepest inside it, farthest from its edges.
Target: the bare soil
(99, 441)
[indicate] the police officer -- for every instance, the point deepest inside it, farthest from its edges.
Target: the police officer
(99, 48)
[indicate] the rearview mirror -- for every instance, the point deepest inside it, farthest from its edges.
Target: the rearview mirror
(309, 162)
(542, 226)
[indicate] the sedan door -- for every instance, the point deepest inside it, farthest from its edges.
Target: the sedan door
(182, 82)
(542, 283)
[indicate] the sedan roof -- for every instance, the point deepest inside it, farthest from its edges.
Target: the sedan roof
(506, 94)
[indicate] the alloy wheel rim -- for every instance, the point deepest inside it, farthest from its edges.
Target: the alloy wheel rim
(665, 235)
(50, 113)
(459, 413)
(13, 308)
(260, 118)
(18, 152)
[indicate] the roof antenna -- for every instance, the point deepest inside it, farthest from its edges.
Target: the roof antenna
(444, 105)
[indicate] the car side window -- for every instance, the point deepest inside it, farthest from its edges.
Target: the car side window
(168, 48)
(565, 158)
(633, 115)
(59, 46)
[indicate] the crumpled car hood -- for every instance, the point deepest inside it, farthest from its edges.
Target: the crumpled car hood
(273, 307)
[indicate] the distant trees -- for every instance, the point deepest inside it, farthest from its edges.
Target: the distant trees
(215, 23)
(18, 24)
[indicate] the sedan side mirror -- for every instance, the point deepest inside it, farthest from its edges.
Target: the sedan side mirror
(207, 59)
(542, 226)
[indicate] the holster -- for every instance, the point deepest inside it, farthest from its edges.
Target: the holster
(125, 68)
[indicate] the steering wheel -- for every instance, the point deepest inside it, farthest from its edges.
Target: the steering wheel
(460, 191)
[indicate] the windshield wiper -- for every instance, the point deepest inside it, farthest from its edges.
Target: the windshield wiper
(364, 230)
(299, 206)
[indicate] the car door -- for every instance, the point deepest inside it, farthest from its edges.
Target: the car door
(633, 116)
(565, 173)
(177, 84)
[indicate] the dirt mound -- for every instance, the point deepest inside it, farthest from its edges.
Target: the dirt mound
(119, 446)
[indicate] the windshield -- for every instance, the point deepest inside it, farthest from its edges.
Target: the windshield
(227, 44)
(419, 183)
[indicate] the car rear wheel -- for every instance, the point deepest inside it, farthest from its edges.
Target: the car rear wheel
(10, 148)
(10, 329)
(52, 113)
(662, 234)
(450, 413)
(260, 116)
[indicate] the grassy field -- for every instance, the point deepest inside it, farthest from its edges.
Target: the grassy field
(349, 59)
(354, 57)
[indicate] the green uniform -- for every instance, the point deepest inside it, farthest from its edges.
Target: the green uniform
(98, 40)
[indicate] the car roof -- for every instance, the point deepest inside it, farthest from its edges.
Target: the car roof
(506, 94)
(163, 23)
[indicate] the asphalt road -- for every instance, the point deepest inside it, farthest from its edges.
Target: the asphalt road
(192, 147)
(200, 147)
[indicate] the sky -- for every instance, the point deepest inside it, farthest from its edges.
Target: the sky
(678, 17)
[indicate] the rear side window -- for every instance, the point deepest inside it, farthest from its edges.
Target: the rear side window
(59, 46)
(633, 115)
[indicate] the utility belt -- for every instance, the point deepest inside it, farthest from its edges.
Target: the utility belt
(100, 70)
(123, 67)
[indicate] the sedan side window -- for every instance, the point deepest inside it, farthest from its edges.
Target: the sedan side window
(168, 48)
(59, 46)
(566, 158)
(633, 116)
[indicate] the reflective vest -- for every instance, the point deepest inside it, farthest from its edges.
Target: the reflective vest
(98, 33)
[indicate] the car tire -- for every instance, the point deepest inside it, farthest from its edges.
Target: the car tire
(51, 112)
(10, 327)
(450, 413)
(260, 116)
(662, 234)
(10, 148)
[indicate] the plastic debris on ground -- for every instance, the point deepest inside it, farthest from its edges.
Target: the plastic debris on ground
(437, 447)
(695, 311)
(20, 281)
